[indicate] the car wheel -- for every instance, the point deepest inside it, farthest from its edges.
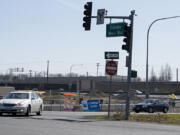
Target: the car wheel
(40, 111)
(137, 111)
(28, 111)
(150, 110)
(0, 114)
(14, 114)
(165, 110)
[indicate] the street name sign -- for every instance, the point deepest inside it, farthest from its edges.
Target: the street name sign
(111, 67)
(111, 55)
(115, 29)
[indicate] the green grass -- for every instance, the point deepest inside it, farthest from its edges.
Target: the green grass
(157, 118)
(150, 118)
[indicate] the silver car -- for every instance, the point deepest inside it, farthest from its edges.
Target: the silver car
(21, 102)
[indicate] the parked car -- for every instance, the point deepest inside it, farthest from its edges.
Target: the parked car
(151, 105)
(138, 92)
(119, 91)
(60, 90)
(22, 102)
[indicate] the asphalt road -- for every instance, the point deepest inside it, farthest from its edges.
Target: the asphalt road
(72, 123)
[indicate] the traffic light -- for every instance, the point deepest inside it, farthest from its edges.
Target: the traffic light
(126, 40)
(133, 73)
(87, 17)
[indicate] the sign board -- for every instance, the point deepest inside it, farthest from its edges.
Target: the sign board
(111, 55)
(84, 105)
(91, 105)
(115, 29)
(111, 67)
(100, 16)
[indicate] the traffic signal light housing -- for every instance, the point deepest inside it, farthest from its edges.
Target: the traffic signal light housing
(126, 40)
(87, 17)
(133, 73)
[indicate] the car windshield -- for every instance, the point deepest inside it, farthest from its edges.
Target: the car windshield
(148, 101)
(18, 96)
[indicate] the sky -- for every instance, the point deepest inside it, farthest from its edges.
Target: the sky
(35, 31)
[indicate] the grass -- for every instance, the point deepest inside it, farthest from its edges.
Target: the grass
(150, 118)
(157, 118)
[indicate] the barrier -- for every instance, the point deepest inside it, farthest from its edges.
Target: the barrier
(103, 108)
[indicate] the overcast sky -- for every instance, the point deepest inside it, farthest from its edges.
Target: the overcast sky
(34, 31)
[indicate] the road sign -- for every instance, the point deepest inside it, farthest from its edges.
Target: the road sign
(111, 67)
(115, 29)
(100, 16)
(111, 55)
(93, 105)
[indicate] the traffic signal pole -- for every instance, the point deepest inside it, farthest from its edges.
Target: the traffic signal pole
(129, 50)
(129, 65)
(131, 18)
(114, 17)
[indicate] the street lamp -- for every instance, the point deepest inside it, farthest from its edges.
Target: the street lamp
(74, 66)
(147, 57)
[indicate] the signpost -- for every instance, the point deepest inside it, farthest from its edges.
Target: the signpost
(111, 55)
(115, 29)
(111, 67)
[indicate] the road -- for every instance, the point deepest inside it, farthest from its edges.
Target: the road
(72, 123)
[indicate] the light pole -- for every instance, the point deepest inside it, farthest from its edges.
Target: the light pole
(74, 66)
(47, 76)
(98, 64)
(147, 57)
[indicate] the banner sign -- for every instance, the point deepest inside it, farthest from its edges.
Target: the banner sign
(91, 105)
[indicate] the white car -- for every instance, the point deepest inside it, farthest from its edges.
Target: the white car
(23, 102)
(138, 92)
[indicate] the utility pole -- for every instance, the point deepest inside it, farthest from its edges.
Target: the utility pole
(30, 73)
(97, 69)
(177, 75)
(47, 74)
(87, 74)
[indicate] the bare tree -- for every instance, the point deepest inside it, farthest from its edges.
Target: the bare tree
(168, 72)
(162, 74)
(138, 79)
(153, 76)
(165, 73)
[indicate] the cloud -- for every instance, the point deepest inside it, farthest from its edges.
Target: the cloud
(69, 4)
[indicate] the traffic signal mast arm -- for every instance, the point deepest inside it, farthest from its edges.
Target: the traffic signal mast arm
(114, 17)
(88, 15)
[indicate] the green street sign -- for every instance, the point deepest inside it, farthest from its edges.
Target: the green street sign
(115, 29)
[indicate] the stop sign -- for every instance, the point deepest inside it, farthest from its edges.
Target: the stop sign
(111, 67)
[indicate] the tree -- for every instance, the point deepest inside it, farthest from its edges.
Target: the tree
(162, 74)
(153, 76)
(165, 73)
(168, 72)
